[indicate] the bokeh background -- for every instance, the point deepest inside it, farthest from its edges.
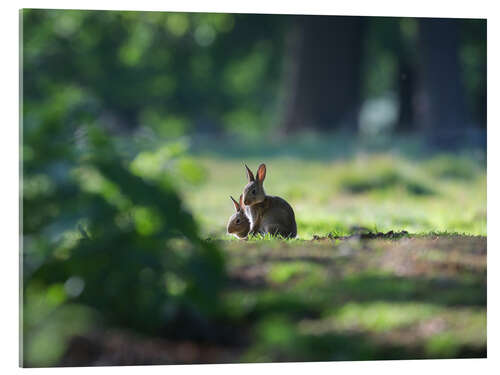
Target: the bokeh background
(135, 127)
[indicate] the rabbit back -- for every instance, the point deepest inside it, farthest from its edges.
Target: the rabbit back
(278, 217)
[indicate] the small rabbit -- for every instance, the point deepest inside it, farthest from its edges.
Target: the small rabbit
(238, 224)
(267, 214)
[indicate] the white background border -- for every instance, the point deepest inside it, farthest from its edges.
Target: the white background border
(9, 164)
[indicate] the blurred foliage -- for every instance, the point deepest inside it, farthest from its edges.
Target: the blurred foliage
(106, 237)
(102, 241)
(171, 72)
(178, 73)
(95, 234)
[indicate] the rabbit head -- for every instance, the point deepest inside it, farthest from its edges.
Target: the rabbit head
(238, 224)
(254, 191)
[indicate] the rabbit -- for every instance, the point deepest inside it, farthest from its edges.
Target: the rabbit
(267, 214)
(238, 224)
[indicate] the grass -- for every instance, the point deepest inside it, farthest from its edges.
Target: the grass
(329, 299)
(380, 191)
(320, 298)
(317, 297)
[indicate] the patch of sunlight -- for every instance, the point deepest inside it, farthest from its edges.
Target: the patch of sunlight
(276, 331)
(282, 272)
(177, 23)
(38, 185)
(92, 181)
(376, 317)
(147, 220)
(174, 284)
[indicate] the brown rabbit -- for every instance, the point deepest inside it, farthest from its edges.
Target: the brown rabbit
(238, 224)
(267, 214)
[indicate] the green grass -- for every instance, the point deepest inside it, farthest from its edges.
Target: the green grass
(422, 296)
(419, 297)
(381, 192)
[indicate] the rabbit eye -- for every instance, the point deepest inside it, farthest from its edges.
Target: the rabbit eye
(237, 221)
(253, 191)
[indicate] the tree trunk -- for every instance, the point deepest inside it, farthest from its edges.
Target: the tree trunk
(323, 81)
(406, 91)
(441, 106)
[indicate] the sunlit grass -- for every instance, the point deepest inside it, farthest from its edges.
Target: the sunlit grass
(380, 192)
(284, 272)
(381, 316)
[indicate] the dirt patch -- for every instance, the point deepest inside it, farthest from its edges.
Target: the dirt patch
(122, 348)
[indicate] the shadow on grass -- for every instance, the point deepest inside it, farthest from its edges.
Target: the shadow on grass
(364, 288)
(267, 325)
(361, 182)
(279, 340)
(276, 317)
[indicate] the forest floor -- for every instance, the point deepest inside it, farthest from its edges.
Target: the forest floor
(410, 284)
(330, 299)
(390, 260)
(355, 298)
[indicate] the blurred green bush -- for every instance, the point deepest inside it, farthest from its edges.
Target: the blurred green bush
(104, 239)
(170, 72)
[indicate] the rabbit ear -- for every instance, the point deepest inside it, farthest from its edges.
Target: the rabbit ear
(261, 173)
(241, 201)
(236, 205)
(249, 174)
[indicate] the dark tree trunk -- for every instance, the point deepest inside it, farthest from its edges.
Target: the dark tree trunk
(441, 105)
(406, 89)
(323, 79)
